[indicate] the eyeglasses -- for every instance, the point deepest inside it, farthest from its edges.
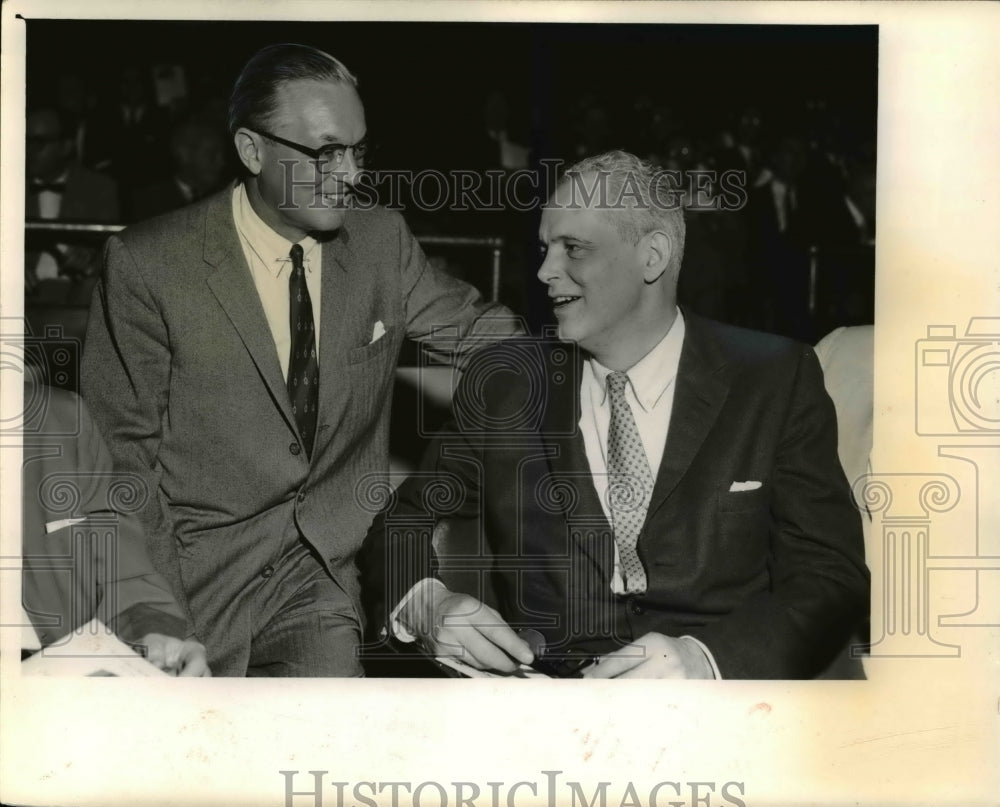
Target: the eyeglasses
(329, 157)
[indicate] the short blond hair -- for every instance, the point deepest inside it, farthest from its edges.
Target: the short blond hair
(636, 202)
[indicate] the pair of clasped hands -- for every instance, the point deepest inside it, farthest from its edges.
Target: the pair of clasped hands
(453, 624)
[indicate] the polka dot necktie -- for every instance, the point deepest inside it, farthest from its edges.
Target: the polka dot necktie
(630, 485)
(303, 368)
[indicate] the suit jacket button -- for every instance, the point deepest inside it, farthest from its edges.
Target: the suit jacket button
(267, 571)
(301, 497)
(295, 448)
(636, 608)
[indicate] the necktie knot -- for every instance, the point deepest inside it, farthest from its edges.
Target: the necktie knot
(617, 382)
(296, 254)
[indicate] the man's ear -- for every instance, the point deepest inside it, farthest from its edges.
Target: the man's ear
(248, 147)
(658, 250)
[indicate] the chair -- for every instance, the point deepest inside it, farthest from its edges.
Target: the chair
(847, 356)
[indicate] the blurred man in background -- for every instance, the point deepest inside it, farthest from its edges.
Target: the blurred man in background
(60, 189)
(197, 157)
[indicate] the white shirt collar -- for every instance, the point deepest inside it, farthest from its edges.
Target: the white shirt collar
(271, 248)
(653, 374)
(62, 179)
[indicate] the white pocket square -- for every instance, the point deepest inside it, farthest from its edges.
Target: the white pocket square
(377, 332)
(739, 487)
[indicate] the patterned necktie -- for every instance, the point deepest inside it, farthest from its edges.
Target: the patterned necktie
(630, 485)
(303, 368)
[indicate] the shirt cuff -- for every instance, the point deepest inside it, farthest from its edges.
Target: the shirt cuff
(421, 587)
(708, 655)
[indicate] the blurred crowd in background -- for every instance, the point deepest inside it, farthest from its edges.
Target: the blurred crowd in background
(796, 257)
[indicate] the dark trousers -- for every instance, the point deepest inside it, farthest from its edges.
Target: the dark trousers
(292, 620)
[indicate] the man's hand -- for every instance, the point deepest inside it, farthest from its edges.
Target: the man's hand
(653, 656)
(176, 656)
(457, 625)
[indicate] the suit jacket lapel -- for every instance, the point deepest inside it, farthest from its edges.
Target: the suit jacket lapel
(338, 257)
(233, 286)
(560, 433)
(703, 382)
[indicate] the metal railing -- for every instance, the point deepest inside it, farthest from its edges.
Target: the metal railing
(493, 243)
(94, 229)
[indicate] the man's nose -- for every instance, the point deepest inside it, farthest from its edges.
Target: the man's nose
(549, 270)
(348, 170)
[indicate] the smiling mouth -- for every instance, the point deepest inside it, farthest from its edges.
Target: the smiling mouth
(562, 301)
(337, 199)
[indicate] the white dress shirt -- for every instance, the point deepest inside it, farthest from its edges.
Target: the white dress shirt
(650, 396)
(50, 202)
(267, 254)
(49, 207)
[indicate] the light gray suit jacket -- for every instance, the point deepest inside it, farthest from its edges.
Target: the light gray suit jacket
(181, 373)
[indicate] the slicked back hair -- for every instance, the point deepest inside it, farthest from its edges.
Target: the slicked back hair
(254, 99)
(637, 196)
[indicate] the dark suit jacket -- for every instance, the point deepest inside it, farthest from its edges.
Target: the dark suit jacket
(97, 567)
(771, 579)
(181, 372)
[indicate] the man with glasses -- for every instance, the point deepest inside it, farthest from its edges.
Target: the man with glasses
(240, 357)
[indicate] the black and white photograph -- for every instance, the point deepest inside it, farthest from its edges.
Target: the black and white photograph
(641, 351)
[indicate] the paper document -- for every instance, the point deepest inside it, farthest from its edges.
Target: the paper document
(91, 649)
(471, 672)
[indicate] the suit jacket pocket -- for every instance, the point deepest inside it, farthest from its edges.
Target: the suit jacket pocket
(742, 501)
(360, 355)
(743, 533)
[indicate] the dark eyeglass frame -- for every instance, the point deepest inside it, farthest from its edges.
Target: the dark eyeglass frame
(329, 157)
